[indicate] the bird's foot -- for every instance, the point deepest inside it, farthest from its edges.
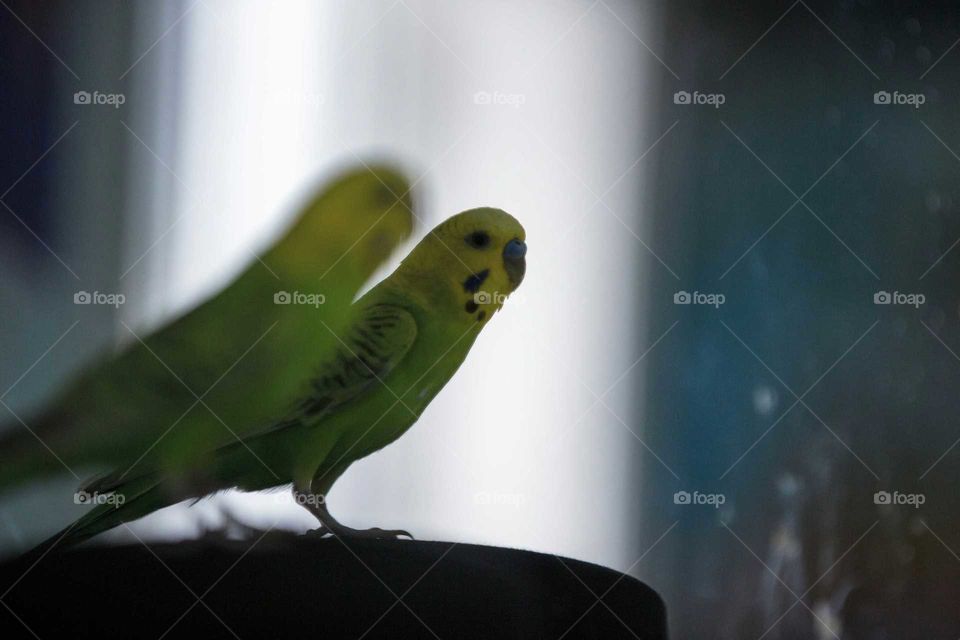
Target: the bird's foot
(320, 532)
(375, 533)
(380, 534)
(316, 504)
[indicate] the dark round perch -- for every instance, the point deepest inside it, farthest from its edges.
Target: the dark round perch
(301, 586)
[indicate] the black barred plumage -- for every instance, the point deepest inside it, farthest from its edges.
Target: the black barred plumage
(363, 357)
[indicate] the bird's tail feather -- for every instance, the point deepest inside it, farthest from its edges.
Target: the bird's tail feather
(127, 502)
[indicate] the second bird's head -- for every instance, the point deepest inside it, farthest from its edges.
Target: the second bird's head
(474, 260)
(349, 227)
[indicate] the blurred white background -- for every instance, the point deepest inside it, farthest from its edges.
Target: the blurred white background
(530, 445)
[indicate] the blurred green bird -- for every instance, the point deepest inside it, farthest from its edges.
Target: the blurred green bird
(407, 338)
(232, 364)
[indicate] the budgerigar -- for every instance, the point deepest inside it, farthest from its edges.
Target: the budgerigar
(410, 333)
(235, 362)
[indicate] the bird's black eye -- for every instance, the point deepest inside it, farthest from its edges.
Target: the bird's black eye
(478, 239)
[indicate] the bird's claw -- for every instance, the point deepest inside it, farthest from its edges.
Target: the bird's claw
(369, 534)
(385, 534)
(319, 532)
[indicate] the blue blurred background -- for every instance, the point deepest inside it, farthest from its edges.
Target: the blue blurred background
(704, 385)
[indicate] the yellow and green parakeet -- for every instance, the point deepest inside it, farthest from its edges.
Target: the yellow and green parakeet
(406, 339)
(235, 362)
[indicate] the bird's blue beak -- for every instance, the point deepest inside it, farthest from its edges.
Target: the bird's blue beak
(514, 261)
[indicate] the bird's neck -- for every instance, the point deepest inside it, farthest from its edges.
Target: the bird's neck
(424, 288)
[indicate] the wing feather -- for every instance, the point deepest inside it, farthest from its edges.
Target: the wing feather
(378, 341)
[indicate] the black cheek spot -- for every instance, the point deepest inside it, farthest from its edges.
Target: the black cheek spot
(471, 306)
(481, 316)
(472, 283)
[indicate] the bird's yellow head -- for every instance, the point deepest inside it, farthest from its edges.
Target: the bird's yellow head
(381, 200)
(472, 260)
(353, 223)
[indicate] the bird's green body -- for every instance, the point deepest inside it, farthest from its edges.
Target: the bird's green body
(234, 363)
(403, 342)
(318, 449)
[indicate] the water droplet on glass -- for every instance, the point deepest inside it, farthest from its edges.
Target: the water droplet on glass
(727, 514)
(788, 485)
(764, 400)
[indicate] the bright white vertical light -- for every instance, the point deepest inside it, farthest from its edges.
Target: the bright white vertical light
(514, 451)
(246, 149)
(246, 133)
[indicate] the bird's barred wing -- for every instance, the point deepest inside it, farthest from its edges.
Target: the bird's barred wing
(376, 342)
